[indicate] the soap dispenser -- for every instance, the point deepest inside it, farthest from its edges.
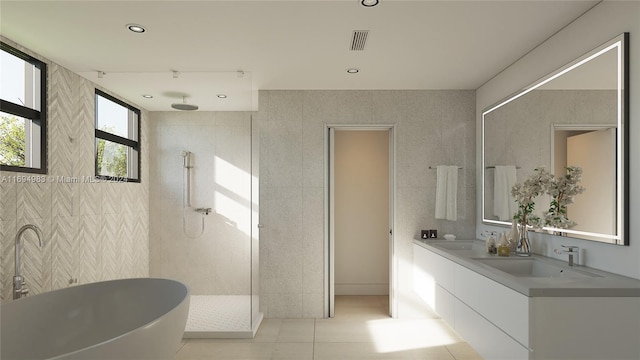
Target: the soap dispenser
(503, 245)
(491, 244)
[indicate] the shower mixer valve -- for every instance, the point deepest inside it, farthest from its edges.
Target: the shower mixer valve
(204, 211)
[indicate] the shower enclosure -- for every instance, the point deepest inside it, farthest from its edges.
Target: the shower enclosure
(204, 216)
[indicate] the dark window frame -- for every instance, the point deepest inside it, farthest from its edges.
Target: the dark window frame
(104, 135)
(38, 117)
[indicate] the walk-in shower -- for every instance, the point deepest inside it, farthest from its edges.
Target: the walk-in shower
(204, 217)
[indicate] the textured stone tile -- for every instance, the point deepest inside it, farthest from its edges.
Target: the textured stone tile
(34, 200)
(89, 261)
(71, 213)
(8, 197)
(65, 250)
(7, 264)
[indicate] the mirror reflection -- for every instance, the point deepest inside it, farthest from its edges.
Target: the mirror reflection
(573, 117)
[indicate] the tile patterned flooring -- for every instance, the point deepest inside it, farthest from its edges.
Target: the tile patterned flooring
(361, 329)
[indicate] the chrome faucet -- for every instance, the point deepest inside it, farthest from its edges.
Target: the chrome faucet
(572, 251)
(19, 286)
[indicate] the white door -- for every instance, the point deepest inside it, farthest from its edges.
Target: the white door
(595, 153)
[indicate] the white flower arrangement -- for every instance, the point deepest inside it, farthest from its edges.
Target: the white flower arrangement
(525, 193)
(561, 189)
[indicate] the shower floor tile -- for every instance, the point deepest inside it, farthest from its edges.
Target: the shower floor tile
(218, 315)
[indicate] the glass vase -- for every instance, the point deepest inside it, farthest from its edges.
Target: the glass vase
(524, 245)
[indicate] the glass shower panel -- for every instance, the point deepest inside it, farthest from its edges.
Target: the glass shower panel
(223, 306)
(204, 214)
(256, 315)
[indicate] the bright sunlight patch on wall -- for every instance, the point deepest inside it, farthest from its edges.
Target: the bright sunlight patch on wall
(233, 194)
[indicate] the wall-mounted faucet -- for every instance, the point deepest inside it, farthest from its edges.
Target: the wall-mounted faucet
(19, 285)
(572, 251)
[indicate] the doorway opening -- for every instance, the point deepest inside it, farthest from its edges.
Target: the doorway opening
(359, 176)
(593, 149)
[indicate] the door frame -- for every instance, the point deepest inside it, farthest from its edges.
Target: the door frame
(329, 241)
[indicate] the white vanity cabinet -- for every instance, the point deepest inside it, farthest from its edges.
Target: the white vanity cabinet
(475, 306)
(433, 280)
(502, 323)
(501, 313)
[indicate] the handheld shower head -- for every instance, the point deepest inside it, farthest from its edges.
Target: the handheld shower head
(186, 161)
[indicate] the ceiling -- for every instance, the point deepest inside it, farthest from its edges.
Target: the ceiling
(239, 47)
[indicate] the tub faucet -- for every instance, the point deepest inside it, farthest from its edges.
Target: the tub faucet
(19, 286)
(571, 251)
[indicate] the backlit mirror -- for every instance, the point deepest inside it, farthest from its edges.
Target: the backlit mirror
(576, 116)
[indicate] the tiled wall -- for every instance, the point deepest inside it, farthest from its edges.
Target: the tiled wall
(218, 260)
(92, 231)
(433, 128)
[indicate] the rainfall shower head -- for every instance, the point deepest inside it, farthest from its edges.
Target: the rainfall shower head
(184, 105)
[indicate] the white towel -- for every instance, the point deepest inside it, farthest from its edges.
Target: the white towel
(446, 192)
(504, 207)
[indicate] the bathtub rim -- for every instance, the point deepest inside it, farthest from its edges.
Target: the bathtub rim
(126, 333)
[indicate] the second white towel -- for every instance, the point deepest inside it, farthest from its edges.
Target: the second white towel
(447, 192)
(504, 207)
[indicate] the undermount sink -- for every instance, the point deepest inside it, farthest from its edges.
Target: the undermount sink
(455, 245)
(531, 267)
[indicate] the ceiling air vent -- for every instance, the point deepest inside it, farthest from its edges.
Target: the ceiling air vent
(359, 39)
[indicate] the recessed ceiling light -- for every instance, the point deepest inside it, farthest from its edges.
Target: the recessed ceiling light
(147, 96)
(136, 28)
(353, 71)
(369, 3)
(221, 96)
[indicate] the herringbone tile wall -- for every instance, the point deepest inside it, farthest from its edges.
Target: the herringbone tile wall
(93, 231)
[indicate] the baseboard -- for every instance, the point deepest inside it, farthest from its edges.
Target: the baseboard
(361, 289)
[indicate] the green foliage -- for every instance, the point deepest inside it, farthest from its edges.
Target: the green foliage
(525, 193)
(111, 158)
(562, 190)
(12, 146)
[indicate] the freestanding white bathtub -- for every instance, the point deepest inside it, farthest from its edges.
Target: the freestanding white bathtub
(121, 319)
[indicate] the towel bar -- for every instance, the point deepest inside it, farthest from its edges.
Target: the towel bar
(493, 167)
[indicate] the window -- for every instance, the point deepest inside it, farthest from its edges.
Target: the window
(117, 139)
(23, 115)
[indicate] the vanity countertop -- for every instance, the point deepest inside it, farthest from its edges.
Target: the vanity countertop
(604, 284)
